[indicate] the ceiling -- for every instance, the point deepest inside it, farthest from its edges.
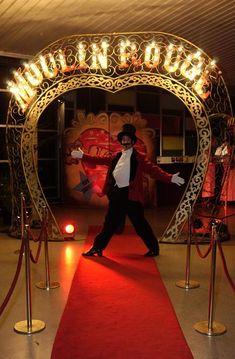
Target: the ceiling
(27, 26)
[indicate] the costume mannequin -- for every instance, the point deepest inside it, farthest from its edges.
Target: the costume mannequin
(124, 188)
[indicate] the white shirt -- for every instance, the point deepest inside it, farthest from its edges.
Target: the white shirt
(122, 170)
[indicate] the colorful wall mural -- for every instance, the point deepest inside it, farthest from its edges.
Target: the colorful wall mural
(97, 134)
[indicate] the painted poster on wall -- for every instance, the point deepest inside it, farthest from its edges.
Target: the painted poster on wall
(97, 134)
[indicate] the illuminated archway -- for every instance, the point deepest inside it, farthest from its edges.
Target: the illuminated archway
(113, 62)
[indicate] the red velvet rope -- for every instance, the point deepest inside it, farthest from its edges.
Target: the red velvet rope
(207, 252)
(30, 233)
(220, 250)
(16, 276)
(43, 233)
(39, 239)
(213, 217)
(225, 266)
(222, 258)
(35, 259)
(26, 220)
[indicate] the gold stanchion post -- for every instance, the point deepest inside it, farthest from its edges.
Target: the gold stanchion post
(22, 218)
(187, 283)
(46, 284)
(30, 325)
(211, 327)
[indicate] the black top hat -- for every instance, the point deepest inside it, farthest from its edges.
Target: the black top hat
(127, 130)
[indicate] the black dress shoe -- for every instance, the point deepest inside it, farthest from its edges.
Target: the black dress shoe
(152, 254)
(93, 251)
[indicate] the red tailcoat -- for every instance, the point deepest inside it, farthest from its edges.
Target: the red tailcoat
(140, 164)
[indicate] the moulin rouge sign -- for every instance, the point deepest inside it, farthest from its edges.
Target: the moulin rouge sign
(124, 56)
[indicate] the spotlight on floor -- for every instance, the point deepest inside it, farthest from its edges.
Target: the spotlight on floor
(68, 229)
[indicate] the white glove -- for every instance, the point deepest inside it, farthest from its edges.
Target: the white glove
(177, 180)
(218, 151)
(225, 151)
(77, 153)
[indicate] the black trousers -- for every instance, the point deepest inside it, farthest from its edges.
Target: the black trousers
(119, 207)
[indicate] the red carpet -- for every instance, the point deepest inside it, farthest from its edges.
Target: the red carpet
(118, 308)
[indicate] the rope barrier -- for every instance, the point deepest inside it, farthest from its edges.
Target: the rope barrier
(39, 239)
(211, 327)
(16, 276)
(225, 267)
(214, 217)
(46, 284)
(25, 218)
(28, 326)
(199, 250)
(188, 284)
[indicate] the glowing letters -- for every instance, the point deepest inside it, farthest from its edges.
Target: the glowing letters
(192, 66)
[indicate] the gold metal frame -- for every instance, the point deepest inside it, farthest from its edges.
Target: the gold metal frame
(22, 125)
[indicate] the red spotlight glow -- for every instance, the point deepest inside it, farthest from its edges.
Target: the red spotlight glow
(69, 228)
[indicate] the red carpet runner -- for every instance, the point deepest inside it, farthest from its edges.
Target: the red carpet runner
(118, 308)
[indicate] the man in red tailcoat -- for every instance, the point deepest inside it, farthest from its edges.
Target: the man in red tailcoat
(124, 188)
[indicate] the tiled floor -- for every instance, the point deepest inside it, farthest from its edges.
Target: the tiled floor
(191, 306)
